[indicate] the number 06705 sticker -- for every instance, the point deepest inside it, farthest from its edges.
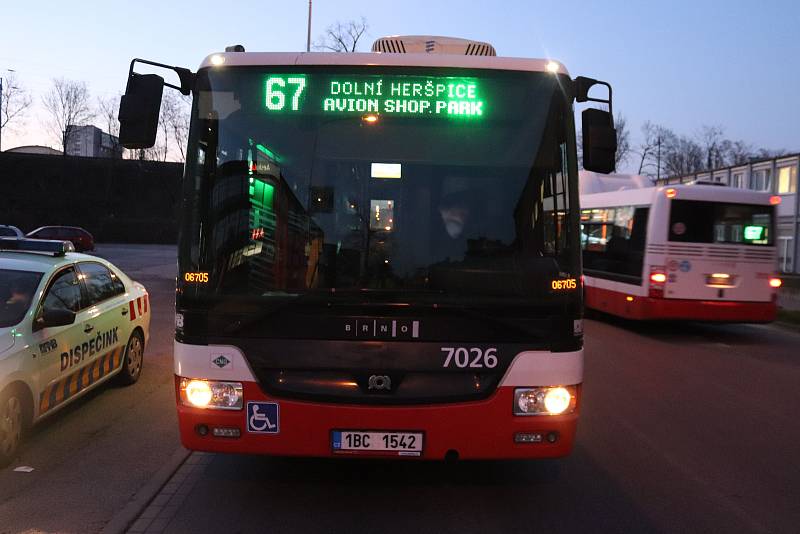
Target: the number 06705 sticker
(470, 357)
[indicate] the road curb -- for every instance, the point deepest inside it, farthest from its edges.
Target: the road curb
(125, 517)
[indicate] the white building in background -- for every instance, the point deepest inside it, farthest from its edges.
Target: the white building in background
(773, 175)
(92, 142)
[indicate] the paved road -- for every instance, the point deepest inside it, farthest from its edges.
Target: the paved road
(686, 428)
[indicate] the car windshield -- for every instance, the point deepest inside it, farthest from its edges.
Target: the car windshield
(16, 295)
(408, 181)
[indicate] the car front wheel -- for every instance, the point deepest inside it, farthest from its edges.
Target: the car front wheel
(11, 421)
(132, 360)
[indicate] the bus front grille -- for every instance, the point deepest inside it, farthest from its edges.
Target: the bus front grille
(381, 388)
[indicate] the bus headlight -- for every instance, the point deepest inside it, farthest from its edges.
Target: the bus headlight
(211, 394)
(550, 400)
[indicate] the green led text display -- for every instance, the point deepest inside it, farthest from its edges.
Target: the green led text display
(410, 96)
(285, 93)
(753, 233)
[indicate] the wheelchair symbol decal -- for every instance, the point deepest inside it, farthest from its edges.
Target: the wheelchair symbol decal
(263, 417)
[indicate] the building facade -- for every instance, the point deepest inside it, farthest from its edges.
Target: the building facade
(774, 175)
(92, 142)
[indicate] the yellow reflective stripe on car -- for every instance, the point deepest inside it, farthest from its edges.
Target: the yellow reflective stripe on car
(64, 388)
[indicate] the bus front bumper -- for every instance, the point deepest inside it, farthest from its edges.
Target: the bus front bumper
(485, 429)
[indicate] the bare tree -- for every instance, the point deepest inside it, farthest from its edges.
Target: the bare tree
(163, 136)
(175, 109)
(715, 147)
(107, 108)
(682, 155)
(764, 153)
(623, 140)
(739, 152)
(663, 153)
(650, 149)
(172, 130)
(15, 101)
(67, 105)
(342, 37)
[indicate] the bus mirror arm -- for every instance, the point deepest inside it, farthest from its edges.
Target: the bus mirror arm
(581, 86)
(140, 106)
(599, 134)
(185, 76)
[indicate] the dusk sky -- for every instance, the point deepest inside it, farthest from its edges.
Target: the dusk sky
(682, 64)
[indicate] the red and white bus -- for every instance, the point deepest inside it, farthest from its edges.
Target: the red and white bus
(684, 252)
(379, 253)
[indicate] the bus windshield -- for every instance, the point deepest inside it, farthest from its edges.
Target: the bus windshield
(409, 181)
(696, 221)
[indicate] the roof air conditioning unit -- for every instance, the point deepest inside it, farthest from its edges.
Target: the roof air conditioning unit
(431, 44)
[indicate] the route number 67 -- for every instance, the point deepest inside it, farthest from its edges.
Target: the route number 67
(277, 92)
(473, 357)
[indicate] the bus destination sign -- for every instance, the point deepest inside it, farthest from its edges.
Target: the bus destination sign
(434, 96)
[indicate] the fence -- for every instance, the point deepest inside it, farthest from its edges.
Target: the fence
(124, 201)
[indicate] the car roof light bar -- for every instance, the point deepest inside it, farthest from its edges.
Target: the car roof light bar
(50, 247)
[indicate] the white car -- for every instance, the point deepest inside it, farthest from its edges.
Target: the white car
(68, 323)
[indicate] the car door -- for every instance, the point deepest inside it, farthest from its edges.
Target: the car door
(108, 327)
(58, 350)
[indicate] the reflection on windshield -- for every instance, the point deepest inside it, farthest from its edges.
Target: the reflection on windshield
(16, 294)
(297, 204)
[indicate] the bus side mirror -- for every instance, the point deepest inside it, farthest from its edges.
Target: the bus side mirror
(599, 141)
(139, 108)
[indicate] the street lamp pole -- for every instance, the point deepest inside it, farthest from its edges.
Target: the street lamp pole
(308, 34)
(658, 161)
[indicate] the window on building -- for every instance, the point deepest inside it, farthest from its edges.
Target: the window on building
(786, 254)
(761, 180)
(737, 180)
(787, 180)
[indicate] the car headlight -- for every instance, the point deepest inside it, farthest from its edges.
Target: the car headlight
(546, 400)
(211, 394)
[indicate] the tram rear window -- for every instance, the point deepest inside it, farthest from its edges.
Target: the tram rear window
(697, 221)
